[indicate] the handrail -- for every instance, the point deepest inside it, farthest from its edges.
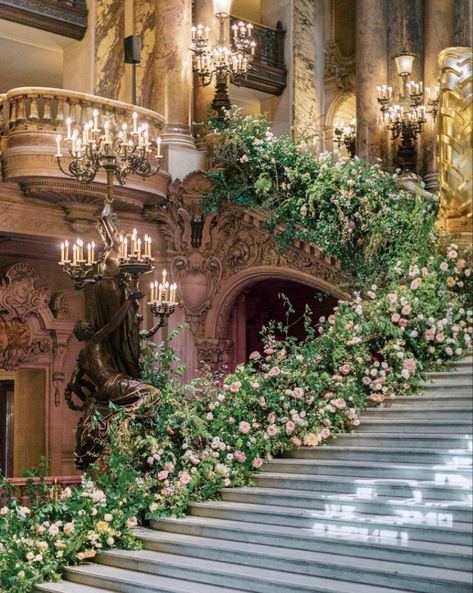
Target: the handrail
(57, 483)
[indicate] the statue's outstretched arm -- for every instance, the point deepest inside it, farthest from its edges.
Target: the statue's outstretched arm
(109, 226)
(149, 333)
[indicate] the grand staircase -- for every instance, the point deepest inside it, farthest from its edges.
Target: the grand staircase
(387, 509)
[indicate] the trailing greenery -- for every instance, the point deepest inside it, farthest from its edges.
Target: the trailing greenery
(348, 208)
(414, 315)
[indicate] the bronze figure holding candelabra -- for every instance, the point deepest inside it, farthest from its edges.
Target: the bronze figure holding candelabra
(106, 377)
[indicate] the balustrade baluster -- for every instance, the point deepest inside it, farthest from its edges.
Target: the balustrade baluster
(47, 112)
(21, 109)
(34, 112)
(59, 112)
(13, 112)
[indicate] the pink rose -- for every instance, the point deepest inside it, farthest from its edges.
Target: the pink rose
(296, 441)
(240, 456)
(444, 266)
(403, 322)
(53, 529)
(244, 427)
(452, 254)
(406, 310)
(339, 403)
(272, 430)
(395, 317)
(366, 380)
(272, 418)
(163, 475)
(132, 522)
(257, 462)
(392, 297)
(440, 338)
(255, 355)
(235, 386)
(290, 426)
(345, 369)
(332, 319)
(275, 371)
(298, 392)
(410, 364)
(325, 433)
(185, 479)
(415, 284)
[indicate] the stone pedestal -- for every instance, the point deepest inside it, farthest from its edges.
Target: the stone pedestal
(438, 34)
(371, 71)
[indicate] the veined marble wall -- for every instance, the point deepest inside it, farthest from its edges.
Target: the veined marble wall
(109, 51)
(145, 24)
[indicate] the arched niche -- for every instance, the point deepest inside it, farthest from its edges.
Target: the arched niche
(342, 109)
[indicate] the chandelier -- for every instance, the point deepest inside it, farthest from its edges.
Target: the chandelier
(346, 134)
(224, 62)
(405, 119)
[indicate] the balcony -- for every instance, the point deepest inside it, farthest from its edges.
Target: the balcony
(63, 17)
(268, 72)
(31, 118)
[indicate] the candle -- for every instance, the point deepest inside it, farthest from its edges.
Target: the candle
(106, 127)
(164, 277)
(95, 115)
(74, 254)
(161, 293)
(193, 30)
(124, 129)
(172, 296)
(135, 122)
(93, 253)
(68, 124)
(88, 253)
(125, 248)
(58, 144)
(158, 144)
(66, 248)
(139, 249)
(133, 242)
(62, 253)
(166, 288)
(85, 134)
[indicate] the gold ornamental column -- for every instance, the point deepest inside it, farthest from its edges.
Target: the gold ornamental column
(456, 142)
(173, 83)
(438, 34)
(371, 71)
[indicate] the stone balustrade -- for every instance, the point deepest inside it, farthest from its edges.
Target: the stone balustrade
(31, 118)
(22, 489)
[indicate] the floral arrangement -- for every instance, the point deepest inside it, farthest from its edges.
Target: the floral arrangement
(414, 314)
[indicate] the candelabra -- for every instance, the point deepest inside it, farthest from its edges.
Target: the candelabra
(119, 152)
(346, 134)
(406, 118)
(224, 62)
(163, 299)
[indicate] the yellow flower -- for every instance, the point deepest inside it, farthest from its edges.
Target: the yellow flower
(101, 526)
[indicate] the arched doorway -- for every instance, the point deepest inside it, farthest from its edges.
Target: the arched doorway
(265, 301)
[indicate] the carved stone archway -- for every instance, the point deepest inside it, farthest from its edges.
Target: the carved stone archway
(214, 258)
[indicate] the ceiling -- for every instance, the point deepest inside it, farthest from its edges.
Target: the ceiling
(30, 57)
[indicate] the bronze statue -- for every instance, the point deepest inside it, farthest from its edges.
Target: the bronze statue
(107, 370)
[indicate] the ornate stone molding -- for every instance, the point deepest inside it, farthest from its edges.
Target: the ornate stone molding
(29, 332)
(339, 67)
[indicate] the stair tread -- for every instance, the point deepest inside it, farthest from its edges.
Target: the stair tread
(366, 519)
(301, 557)
(305, 534)
(373, 464)
(171, 584)
(69, 587)
(304, 582)
(399, 450)
(361, 481)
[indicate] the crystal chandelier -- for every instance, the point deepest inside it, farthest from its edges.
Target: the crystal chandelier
(346, 134)
(405, 119)
(224, 62)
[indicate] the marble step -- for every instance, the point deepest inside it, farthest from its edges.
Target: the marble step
(383, 546)
(453, 375)
(441, 474)
(457, 457)
(408, 426)
(434, 399)
(120, 580)
(68, 587)
(360, 504)
(314, 575)
(450, 413)
(436, 526)
(446, 389)
(303, 562)
(422, 440)
(458, 378)
(363, 487)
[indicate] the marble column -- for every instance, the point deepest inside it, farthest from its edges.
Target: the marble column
(109, 50)
(371, 71)
(463, 19)
(173, 68)
(203, 96)
(438, 34)
(306, 108)
(145, 23)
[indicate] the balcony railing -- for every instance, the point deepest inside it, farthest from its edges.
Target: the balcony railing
(268, 72)
(63, 17)
(22, 489)
(30, 119)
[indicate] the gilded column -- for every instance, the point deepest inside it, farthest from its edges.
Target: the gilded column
(109, 50)
(173, 69)
(371, 71)
(438, 34)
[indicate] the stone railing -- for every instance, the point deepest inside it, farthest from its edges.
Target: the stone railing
(22, 488)
(268, 71)
(31, 118)
(63, 17)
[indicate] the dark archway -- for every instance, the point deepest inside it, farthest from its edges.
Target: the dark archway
(261, 303)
